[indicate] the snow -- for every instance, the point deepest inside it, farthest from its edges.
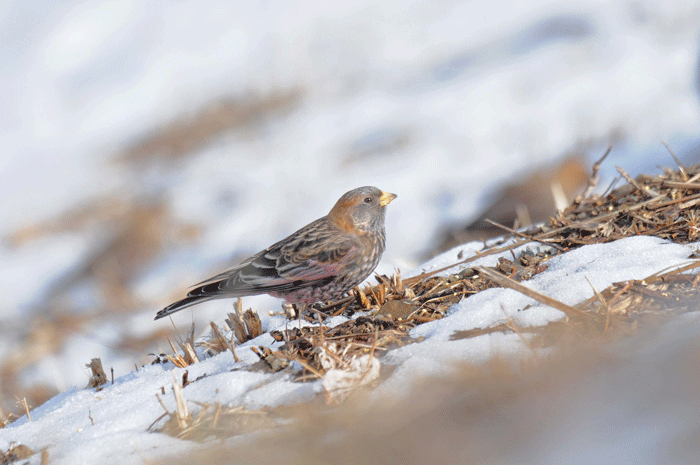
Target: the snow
(123, 411)
(438, 102)
(566, 279)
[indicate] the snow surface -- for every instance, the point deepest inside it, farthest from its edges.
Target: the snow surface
(122, 412)
(444, 101)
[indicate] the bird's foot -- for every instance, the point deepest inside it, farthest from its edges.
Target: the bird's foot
(290, 310)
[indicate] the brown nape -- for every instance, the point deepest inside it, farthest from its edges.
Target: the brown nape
(340, 213)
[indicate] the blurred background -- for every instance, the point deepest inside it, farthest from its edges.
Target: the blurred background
(149, 145)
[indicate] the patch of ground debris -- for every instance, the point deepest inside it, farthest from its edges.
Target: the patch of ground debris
(345, 356)
(665, 206)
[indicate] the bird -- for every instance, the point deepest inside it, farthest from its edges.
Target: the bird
(320, 262)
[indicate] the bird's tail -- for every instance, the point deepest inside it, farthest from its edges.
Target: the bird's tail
(182, 304)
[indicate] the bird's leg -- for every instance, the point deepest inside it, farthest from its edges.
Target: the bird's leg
(299, 312)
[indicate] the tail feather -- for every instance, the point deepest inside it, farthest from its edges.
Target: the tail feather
(182, 304)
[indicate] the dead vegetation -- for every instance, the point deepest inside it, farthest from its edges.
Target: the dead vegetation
(242, 326)
(346, 357)
(14, 453)
(497, 412)
(618, 311)
(664, 206)
(98, 376)
(211, 420)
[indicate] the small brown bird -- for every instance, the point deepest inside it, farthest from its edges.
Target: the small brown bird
(318, 263)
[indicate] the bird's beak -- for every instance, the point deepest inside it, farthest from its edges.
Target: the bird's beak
(386, 198)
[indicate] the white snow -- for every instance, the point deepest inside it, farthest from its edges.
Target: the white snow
(123, 411)
(436, 101)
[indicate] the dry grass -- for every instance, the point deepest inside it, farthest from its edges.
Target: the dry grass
(648, 205)
(350, 353)
(97, 376)
(494, 413)
(213, 420)
(14, 453)
(613, 314)
(663, 206)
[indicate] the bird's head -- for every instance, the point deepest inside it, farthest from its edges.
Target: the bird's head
(361, 210)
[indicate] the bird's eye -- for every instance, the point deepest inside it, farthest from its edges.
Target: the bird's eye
(368, 200)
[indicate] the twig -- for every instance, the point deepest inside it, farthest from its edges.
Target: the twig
(681, 168)
(593, 180)
(374, 346)
(672, 202)
(23, 403)
(160, 401)
(648, 191)
(663, 274)
(217, 415)
(507, 282)
(506, 228)
(167, 413)
(682, 185)
(182, 413)
(610, 186)
(688, 204)
(233, 348)
(505, 248)
(602, 301)
(510, 324)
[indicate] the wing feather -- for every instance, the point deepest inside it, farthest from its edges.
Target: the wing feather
(310, 256)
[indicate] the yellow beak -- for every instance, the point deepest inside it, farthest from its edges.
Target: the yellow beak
(386, 198)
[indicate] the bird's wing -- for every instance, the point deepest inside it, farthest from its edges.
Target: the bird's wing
(311, 255)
